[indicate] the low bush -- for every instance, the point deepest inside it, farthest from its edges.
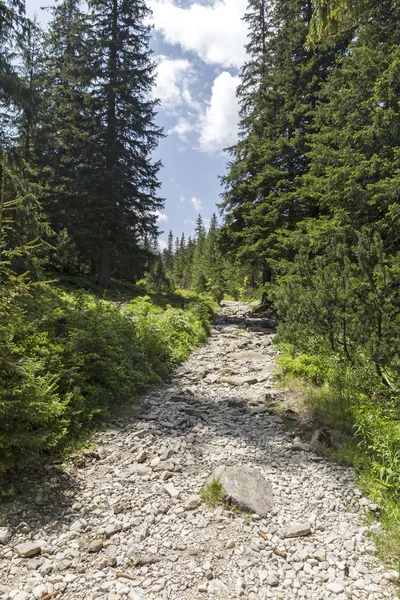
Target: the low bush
(73, 358)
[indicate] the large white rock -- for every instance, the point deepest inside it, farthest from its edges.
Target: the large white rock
(22, 596)
(245, 487)
(192, 502)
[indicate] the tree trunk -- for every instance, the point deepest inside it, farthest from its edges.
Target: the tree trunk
(266, 278)
(104, 267)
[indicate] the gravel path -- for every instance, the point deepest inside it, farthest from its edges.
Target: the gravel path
(126, 521)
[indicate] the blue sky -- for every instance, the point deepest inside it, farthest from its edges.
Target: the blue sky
(199, 48)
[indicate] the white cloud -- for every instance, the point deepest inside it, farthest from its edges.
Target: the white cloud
(161, 217)
(162, 244)
(173, 77)
(215, 32)
(182, 128)
(219, 123)
(216, 124)
(197, 205)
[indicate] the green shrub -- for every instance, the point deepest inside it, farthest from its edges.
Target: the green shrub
(73, 358)
(167, 335)
(378, 436)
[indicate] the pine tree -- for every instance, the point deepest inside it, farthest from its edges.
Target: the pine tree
(179, 270)
(19, 39)
(12, 30)
(126, 174)
(278, 96)
(355, 148)
(66, 145)
(168, 255)
(214, 261)
(338, 294)
(30, 56)
(198, 271)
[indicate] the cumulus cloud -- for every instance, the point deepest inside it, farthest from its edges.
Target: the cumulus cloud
(215, 32)
(219, 123)
(197, 205)
(215, 124)
(182, 128)
(173, 76)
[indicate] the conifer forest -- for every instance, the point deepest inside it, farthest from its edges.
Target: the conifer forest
(306, 229)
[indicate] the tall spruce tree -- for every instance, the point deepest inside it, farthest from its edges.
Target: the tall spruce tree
(213, 261)
(125, 174)
(178, 273)
(340, 294)
(65, 147)
(13, 25)
(354, 149)
(168, 255)
(198, 272)
(19, 40)
(31, 71)
(278, 94)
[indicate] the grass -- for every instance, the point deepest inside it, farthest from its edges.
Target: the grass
(122, 292)
(364, 427)
(213, 494)
(388, 544)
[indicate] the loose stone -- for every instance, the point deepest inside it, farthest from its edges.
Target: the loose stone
(171, 490)
(136, 595)
(132, 509)
(335, 588)
(5, 535)
(95, 546)
(272, 580)
(296, 530)
(246, 487)
(192, 502)
(217, 588)
(28, 549)
(320, 555)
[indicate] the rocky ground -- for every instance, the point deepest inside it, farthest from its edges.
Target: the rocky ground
(126, 520)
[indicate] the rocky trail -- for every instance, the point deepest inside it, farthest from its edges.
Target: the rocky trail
(126, 521)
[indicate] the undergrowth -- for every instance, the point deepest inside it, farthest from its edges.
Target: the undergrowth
(71, 359)
(364, 419)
